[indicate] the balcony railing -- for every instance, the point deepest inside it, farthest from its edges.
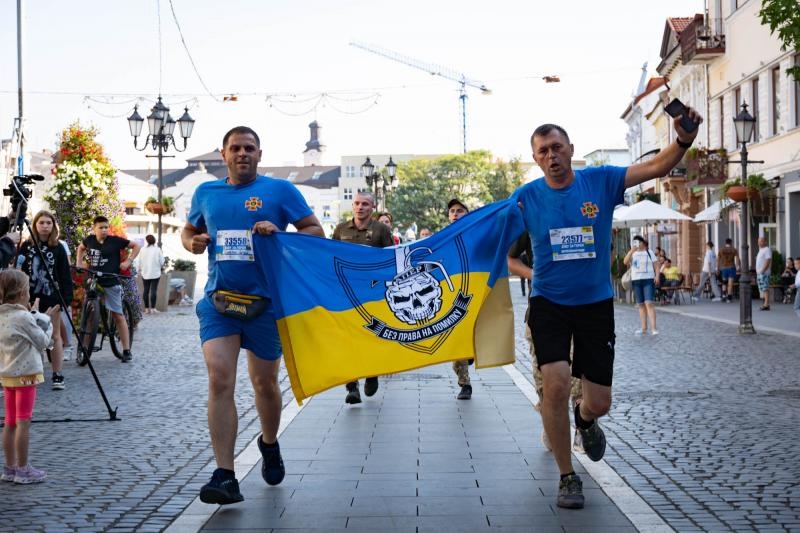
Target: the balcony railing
(701, 40)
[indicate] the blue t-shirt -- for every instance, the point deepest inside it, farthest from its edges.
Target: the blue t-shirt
(227, 213)
(570, 230)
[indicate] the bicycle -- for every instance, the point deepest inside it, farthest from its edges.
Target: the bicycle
(95, 318)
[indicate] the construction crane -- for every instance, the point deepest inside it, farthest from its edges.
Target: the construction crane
(434, 70)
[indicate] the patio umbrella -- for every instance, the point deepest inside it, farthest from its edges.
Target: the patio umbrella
(644, 213)
(713, 212)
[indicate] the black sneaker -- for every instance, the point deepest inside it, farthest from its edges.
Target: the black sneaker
(353, 396)
(126, 356)
(593, 438)
(466, 393)
(570, 492)
(272, 469)
(222, 489)
(58, 381)
(370, 386)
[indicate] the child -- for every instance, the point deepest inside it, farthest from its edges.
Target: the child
(24, 336)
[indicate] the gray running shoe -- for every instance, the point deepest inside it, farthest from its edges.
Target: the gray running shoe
(570, 492)
(594, 441)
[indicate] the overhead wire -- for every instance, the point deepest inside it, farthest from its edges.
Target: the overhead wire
(189, 55)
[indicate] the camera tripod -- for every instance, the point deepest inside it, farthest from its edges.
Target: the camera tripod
(19, 202)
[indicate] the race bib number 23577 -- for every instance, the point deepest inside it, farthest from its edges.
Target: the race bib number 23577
(572, 243)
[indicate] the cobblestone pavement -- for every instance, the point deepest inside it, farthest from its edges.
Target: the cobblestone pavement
(137, 473)
(703, 421)
(702, 428)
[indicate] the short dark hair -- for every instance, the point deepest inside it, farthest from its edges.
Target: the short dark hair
(728, 241)
(545, 129)
(241, 130)
(98, 219)
(150, 240)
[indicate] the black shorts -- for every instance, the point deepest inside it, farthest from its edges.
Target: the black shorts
(591, 327)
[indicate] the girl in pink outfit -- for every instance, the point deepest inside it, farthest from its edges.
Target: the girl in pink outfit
(24, 336)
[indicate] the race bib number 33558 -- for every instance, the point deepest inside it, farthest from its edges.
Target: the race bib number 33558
(235, 245)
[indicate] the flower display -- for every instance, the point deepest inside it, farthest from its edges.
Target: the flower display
(84, 187)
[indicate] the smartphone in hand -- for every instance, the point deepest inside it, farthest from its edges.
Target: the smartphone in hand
(677, 108)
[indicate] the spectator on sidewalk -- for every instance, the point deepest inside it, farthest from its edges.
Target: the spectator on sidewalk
(670, 279)
(708, 273)
(44, 291)
(363, 229)
(25, 334)
(763, 270)
(568, 215)
(101, 252)
(151, 265)
(644, 282)
(225, 216)
(728, 262)
(796, 286)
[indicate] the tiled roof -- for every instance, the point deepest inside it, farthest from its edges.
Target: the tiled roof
(678, 24)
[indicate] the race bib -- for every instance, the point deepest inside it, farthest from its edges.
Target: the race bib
(235, 245)
(572, 243)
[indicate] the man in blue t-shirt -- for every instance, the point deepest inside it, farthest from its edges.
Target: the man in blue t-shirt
(568, 215)
(226, 215)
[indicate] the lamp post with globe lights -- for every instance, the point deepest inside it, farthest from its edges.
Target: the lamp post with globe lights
(380, 186)
(161, 137)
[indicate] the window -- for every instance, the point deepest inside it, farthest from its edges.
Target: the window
(775, 100)
(350, 172)
(292, 176)
(754, 109)
(796, 93)
(721, 109)
(347, 193)
(316, 175)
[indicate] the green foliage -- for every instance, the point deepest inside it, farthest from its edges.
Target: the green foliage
(754, 181)
(783, 17)
(427, 185)
(183, 265)
(777, 265)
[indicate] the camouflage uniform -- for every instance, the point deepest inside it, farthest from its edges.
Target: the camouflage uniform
(461, 368)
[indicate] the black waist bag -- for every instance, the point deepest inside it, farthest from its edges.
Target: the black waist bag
(238, 305)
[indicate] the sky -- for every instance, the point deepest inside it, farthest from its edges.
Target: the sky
(290, 62)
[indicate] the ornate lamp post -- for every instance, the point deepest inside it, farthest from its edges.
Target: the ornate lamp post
(377, 183)
(161, 137)
(744, 123)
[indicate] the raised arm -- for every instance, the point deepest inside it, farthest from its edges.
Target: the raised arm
(667, 158)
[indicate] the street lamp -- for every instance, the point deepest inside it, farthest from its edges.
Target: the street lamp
(161, 137)
(744, 123)
(377, 183)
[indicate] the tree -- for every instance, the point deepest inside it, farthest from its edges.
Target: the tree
(427, 185)
(783, 17)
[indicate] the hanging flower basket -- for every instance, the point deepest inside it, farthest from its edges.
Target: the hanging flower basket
(740, 193)
(156, 208)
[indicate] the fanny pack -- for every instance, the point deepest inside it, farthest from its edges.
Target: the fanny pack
(238, 305)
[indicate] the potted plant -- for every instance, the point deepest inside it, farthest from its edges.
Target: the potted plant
(185, 270)
(706, 166)
(741, 192)
(166, 206)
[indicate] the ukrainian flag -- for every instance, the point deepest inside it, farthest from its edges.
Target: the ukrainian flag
(347, 311)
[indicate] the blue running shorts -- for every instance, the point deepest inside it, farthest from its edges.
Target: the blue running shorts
(259, 335)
